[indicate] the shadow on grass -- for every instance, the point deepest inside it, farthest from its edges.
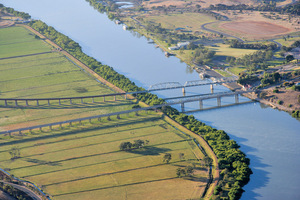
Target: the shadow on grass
(42, 162)
(81, 129)
(149, 151)
(71, 106)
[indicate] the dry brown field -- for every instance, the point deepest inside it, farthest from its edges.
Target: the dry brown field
(202, 3)
(254, 26)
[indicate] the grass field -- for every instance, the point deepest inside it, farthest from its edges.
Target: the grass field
(86, 163)
(45, 76)
(237, 70)
(288, 41)
(17, 41)
(225, 50)
(189, 21)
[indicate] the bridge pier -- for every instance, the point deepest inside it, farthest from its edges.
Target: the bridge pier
(60, 126)
(108, 118)
(115, 98)
(48, 102)
(212, 88)
(81, 101)
(118, 116)
(71, 101)
(90, 120)
(236, 98)
(99, 119)
(201, 104)
(41, 129)
(103, 99)
(16, 102)
(93, 101)
(183, 91)
(5, 102)
(70, 124)
(182, 107)
(26, 102)
(125, 96)
(219, 101)
(59, 102)
(37, 102)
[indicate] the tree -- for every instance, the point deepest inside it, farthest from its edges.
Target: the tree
(189, 170)
(125, 146)
(289, 58)
(138, 144)
(181, 156)
(14, 153)
(180, 172)
(207, 160)
(167, 157)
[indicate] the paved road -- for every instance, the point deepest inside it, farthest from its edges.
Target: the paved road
(24, 189)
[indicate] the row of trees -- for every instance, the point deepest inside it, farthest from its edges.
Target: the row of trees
(290, 9)
(237, 44)
(227, 151)
(14, 12)
(137, 144)
(256, 59)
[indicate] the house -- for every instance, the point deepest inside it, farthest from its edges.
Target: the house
(182, 44)
(173, 48)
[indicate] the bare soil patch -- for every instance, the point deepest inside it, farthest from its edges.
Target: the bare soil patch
(255, 28)
(202, 3)
(6, 23)
(287, 96)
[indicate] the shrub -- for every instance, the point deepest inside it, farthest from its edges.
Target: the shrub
(275, 91)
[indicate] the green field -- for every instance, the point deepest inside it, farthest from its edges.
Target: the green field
(288, 41)
(17, 41)
(225, 50)
(85, 162)
(45, 76)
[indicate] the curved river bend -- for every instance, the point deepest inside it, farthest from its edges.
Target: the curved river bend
(270, 138)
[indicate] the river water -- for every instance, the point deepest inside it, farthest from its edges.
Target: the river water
(269, 137)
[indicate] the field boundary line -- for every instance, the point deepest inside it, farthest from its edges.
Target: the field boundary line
(204, 144)
(34, 54)
(207, 148)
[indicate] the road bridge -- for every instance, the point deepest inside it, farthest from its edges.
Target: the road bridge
(16, 102)
(136, 111)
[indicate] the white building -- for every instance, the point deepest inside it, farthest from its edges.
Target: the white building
(182, 44)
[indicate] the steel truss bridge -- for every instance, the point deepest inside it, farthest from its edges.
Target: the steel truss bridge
(157, 87)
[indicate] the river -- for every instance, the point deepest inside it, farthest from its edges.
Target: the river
(269, 137)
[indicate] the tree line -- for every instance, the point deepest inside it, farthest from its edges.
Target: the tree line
(289, 9)
(14, 12)
(232, 161)
(241, 45)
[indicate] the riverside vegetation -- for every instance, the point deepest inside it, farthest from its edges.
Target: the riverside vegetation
(233, 163)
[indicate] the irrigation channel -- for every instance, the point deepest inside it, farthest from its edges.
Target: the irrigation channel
(269, 137)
